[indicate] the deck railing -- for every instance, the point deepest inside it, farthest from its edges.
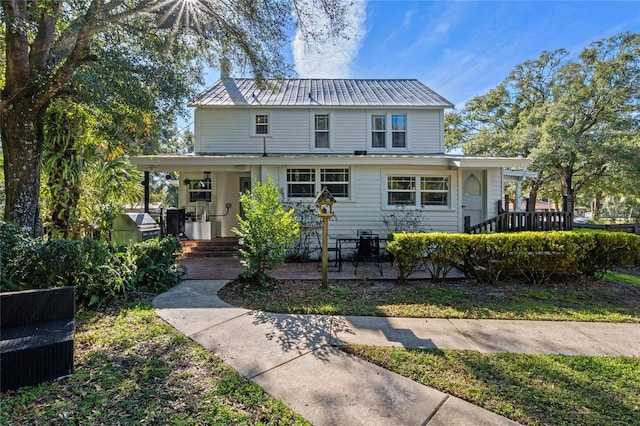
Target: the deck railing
(522, 221)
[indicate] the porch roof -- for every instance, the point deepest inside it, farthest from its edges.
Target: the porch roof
(241, 161)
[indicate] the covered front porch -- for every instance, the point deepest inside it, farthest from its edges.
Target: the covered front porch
(205, 204)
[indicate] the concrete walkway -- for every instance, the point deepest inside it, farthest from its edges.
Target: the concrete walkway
(295, 359)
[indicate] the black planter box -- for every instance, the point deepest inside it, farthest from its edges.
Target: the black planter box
(37, 330)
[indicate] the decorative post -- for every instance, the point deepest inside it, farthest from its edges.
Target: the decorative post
(325, 201)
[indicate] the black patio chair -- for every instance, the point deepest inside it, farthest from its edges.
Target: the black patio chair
(367, 249)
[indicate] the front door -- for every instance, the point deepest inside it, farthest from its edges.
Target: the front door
(245, 185)
(473, 196)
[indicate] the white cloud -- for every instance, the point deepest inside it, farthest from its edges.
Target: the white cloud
(332, 58)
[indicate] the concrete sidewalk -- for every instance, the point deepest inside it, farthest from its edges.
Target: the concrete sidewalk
(295, 359)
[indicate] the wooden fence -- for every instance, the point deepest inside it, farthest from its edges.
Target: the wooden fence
(522, 221)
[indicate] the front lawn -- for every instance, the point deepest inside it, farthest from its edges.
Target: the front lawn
(530, 389)
(133, 368)
(589, 300)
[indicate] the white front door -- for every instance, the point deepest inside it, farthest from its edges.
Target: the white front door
(473, 195)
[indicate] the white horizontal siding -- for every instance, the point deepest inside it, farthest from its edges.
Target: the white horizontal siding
(367, 206)
(348, 131)
(228, 131)
(425, 129)
(494, 191)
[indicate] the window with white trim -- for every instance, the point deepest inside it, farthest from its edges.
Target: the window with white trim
(401, 191)
(261, 124)
(378, 130)
(382, 132)
(307, 182)
(434, 191)
(301, 183)
(399, 130)
(321, 125)
(418, 191)
(336, 181)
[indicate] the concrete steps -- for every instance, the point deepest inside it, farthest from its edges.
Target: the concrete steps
(218, 247)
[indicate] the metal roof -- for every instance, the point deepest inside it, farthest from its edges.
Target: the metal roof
(408, 93)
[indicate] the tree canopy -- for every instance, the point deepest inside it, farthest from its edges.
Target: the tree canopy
(136, 59)
(577, 118)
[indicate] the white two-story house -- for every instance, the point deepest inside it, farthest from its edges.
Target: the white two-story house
(378, 146)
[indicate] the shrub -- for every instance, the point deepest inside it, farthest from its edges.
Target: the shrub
(267, 232)
(156, 265)
(99, 271)
(605, 250)
(536, 256)
(408, 252)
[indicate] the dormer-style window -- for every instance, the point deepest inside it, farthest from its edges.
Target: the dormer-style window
(261, 125)
(321, 123)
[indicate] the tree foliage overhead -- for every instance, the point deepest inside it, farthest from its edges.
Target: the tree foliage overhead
(123, 54)
(577, 118)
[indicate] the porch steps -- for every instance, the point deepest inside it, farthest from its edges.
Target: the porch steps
(218, 247)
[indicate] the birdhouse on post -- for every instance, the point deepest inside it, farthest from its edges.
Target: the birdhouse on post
(324, 202)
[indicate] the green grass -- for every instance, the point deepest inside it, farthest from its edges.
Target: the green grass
(597, 301)
(530, 389)
(132, 368)
(622, 278)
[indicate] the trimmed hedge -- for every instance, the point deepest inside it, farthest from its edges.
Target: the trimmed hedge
(101, 272)
(536, 256)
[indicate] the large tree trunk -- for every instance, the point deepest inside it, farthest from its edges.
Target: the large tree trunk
(22, 139)
(533, 194)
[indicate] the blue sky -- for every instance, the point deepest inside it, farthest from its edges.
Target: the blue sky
(460, 48)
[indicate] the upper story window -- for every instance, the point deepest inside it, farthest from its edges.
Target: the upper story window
(321, 123)
(432, 191)
(378, 130)
(307, 182)
(261, 125)
(399, 130)
(388, 136)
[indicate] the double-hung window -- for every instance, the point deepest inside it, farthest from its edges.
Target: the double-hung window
(418, 191)
(378, 131)
(321, 124)
(261, 124)
(399, 130)
(388, 131)
(308, 182)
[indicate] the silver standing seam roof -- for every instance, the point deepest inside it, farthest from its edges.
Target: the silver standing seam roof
(409, 93)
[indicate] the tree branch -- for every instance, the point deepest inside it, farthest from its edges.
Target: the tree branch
(42, 43)
(79, 54)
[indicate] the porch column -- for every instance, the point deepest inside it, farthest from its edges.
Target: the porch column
(146, 191)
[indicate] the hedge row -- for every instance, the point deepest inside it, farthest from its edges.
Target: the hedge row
(536, 256)
(100, 271)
